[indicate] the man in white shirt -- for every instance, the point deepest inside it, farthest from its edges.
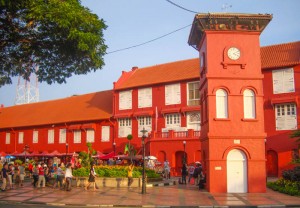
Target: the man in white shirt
(68, 177)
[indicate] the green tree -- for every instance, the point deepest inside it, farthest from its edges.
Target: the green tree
(54, 38)
(296, 134)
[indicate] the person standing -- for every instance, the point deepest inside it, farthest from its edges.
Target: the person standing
(183, 173)
(10, 174)
(59, 177)
(4, 176)
(30, 167)
(130, 174)
(21, 174)
(191, 170)
(92, 177)
(41, 176)
(68, 177)
(35, 175)
(167, 169)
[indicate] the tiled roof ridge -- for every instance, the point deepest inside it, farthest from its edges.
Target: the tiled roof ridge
(163, 64)
(128, 77)
(57, 99)
(280, 55)
(280, 44)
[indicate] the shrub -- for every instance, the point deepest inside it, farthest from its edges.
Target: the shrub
(285, 186)
(292, 175)
(114, 171)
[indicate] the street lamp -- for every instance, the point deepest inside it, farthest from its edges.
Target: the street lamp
(184, 154)
(66, 152)
(114, 144)
(144, 174)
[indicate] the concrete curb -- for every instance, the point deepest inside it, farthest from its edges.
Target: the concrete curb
(146, 206)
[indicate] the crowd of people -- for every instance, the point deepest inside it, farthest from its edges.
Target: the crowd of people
(13, 175)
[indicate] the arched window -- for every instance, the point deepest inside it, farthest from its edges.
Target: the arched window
(221, 104)
(249, 104)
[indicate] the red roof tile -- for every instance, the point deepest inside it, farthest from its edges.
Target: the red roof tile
(169, 72)
(88, 107)
(281, 55)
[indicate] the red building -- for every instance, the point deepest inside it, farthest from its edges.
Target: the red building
(230, 106)
(281, 83)
(65, 125)
(163, 99)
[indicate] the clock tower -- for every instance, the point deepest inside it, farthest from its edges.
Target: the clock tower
(232, 119)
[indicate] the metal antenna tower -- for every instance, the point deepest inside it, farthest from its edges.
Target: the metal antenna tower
(27, 90)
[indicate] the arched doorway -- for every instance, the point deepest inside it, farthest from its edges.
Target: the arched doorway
(237, 172)
(272, 163)
(179, 158)
(161, 156)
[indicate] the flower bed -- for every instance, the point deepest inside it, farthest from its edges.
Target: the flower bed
(115, 172)
(113, 176)
(289, 184)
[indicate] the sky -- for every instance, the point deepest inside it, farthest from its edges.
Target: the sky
(134, 22)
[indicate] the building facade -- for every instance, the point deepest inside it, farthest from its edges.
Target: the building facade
(235, 104)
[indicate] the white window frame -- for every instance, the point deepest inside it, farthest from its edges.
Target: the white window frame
(173, 121)
(145, 97)
(125, 127)
(90, 135)
(35, 137)
(7, 138)
(196, 120)
(286, 116)
(77, 136)
(105, 133)
(62, 136)
(283, 81)
(195, 91)
(172, 94)
(125, 100)
(249, 104)
(221, 104)
(51, 136)
(21, 137)
(144, 122)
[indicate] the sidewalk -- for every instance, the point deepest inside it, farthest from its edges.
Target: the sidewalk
(177, 195)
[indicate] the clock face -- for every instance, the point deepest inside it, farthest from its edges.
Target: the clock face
(234, 53)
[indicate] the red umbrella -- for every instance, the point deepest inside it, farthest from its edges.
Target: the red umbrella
(2, 154)
(108, 156)
(99, 154)
(14, 153)
(23, 154)
(45, 153)
(33, 154)
(55, 153)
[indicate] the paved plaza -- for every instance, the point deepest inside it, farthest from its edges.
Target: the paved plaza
(176, 195)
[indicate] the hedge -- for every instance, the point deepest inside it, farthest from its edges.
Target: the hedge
(114, 172)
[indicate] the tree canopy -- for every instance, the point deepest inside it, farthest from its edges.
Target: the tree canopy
(52, 38)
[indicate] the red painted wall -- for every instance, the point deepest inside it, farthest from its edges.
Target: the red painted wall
(158, 145)
(280, 141)
(42, 144)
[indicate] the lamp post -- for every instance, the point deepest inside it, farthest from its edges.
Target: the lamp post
(66, 153)
(184, 154)
(114, 144)
(144, 174)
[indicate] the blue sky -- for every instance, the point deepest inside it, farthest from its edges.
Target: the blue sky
(133, 22)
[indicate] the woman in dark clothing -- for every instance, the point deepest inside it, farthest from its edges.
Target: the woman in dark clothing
(184, 173)
(92, 177)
